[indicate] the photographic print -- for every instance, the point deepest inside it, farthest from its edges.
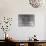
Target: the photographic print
(26, 20)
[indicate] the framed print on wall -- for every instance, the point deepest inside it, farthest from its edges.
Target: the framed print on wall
(26, 20)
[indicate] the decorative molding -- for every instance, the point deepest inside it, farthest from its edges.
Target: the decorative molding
(36, 3)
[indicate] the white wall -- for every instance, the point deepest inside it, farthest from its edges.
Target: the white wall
(12, 8)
